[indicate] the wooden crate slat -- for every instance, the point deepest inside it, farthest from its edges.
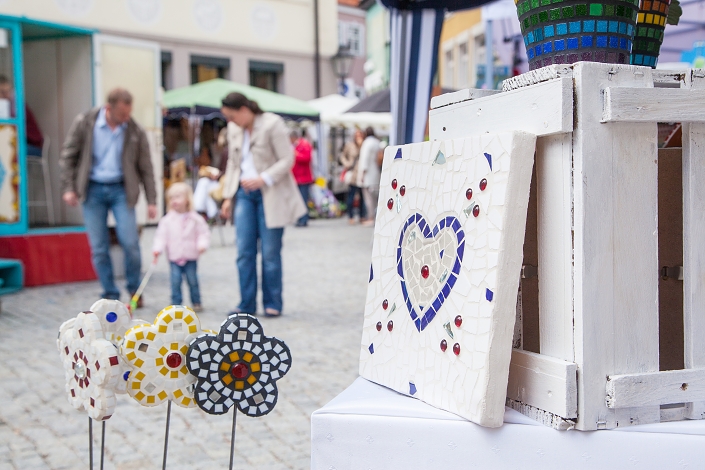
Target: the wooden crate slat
(553, 180)
(624, 104)
(543, 382)
(543, 109)
(460, 96)
(616, 315)
(656, 388)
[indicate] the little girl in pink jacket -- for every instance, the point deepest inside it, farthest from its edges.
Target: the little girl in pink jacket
(184, 235)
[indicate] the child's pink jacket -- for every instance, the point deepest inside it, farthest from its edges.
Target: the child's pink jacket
(181, 235)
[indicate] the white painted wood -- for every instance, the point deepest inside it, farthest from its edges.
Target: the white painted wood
(555, 245)
(460, 96)
(537, 76)
(542, 109)
(656, 388)
(616, 282)
(669, 77)
(693, 245)
(673, 412)
(625, 104)
(544, 417)
(543, 382)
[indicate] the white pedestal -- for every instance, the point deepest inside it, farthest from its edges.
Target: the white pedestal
(371, 427)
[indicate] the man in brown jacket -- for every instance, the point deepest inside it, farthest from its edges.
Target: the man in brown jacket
(103, 161)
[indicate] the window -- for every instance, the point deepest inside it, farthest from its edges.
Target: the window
(267, 75)
(463, 66)
(449, 69)
(207, 68)
(166, 70)
(352, 34)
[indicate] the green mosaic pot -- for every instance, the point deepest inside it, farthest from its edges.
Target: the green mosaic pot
(568, 31)
(649, 32)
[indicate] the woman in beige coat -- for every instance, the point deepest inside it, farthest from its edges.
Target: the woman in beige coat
(258, 176)
(349, 159)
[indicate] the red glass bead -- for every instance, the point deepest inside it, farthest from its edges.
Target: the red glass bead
(240, 370)
(402, 190)
(173, 360)
(394, 184)
(424, 271)
(385, 304)
(483, 184)
(456, 349)
(458, 321)
(476, 210)
(390, 325)
(390, 204)
(468, 194)
(379, 326)
(444, 345)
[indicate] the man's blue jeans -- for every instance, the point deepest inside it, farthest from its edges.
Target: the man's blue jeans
(305, 190)
(250, 229)
(177, 273)
(101, 198)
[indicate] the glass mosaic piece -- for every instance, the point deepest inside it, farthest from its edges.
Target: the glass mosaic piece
(91, 365)
(246, 375)
(440, 158)
(385, 304)
(379, 326)
(398, 154)
(163, 362)
(402, 190)
(390, 204)
(446, 326)
(398, 204)
(371, 349)
(458, 321)
(436, 262)
(394, 184)
(390, 325)
(489, 160)
(111, 317)
(371, 274)
(412, 388)
(483, 184)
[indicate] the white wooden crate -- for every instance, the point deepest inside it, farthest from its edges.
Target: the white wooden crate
(597, 227)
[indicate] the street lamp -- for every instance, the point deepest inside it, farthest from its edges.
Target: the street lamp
(342, 61)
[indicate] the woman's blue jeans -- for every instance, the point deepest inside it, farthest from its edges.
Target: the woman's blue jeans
(188, 270)
(101, 198)
(251, 232)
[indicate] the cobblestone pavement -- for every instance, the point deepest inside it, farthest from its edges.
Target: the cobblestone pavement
(326, 268)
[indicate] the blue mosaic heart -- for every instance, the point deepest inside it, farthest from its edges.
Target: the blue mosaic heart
(447, 229)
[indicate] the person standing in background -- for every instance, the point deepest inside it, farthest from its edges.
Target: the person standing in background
(35, 139)
(302, 170)
(368, 174)
(349, 158)
(104, 160)
(258, 176)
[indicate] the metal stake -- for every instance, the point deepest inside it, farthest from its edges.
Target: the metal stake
(232, 438)
(102, 446)
(90, 442)
(166, 434)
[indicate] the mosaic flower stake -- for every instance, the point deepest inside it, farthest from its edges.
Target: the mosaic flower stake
(156, 355)
(239, 366)
(91, 367)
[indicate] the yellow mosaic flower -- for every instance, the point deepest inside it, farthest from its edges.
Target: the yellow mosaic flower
(157, 356)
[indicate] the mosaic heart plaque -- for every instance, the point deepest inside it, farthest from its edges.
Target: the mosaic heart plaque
(445, 270)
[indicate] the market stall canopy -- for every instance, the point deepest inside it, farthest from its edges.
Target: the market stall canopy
(332, 106)
(362, 120)
(378, 102)
(205, 99)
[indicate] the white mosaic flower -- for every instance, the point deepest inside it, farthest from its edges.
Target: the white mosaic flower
(91, 365)
(115, 319)
(156, 354)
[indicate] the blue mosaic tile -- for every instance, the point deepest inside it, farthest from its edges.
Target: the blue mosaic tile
(371, 348)
(560, 44)
(586, 41)
(572, 43)
(574, 27)
(589, 26)
(601, 41)
(489, 295)
(561, 29)
(412, 388)
(602, 26)
(549, 31)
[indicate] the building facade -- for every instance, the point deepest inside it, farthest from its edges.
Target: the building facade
(352, 35)
(270, 44)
